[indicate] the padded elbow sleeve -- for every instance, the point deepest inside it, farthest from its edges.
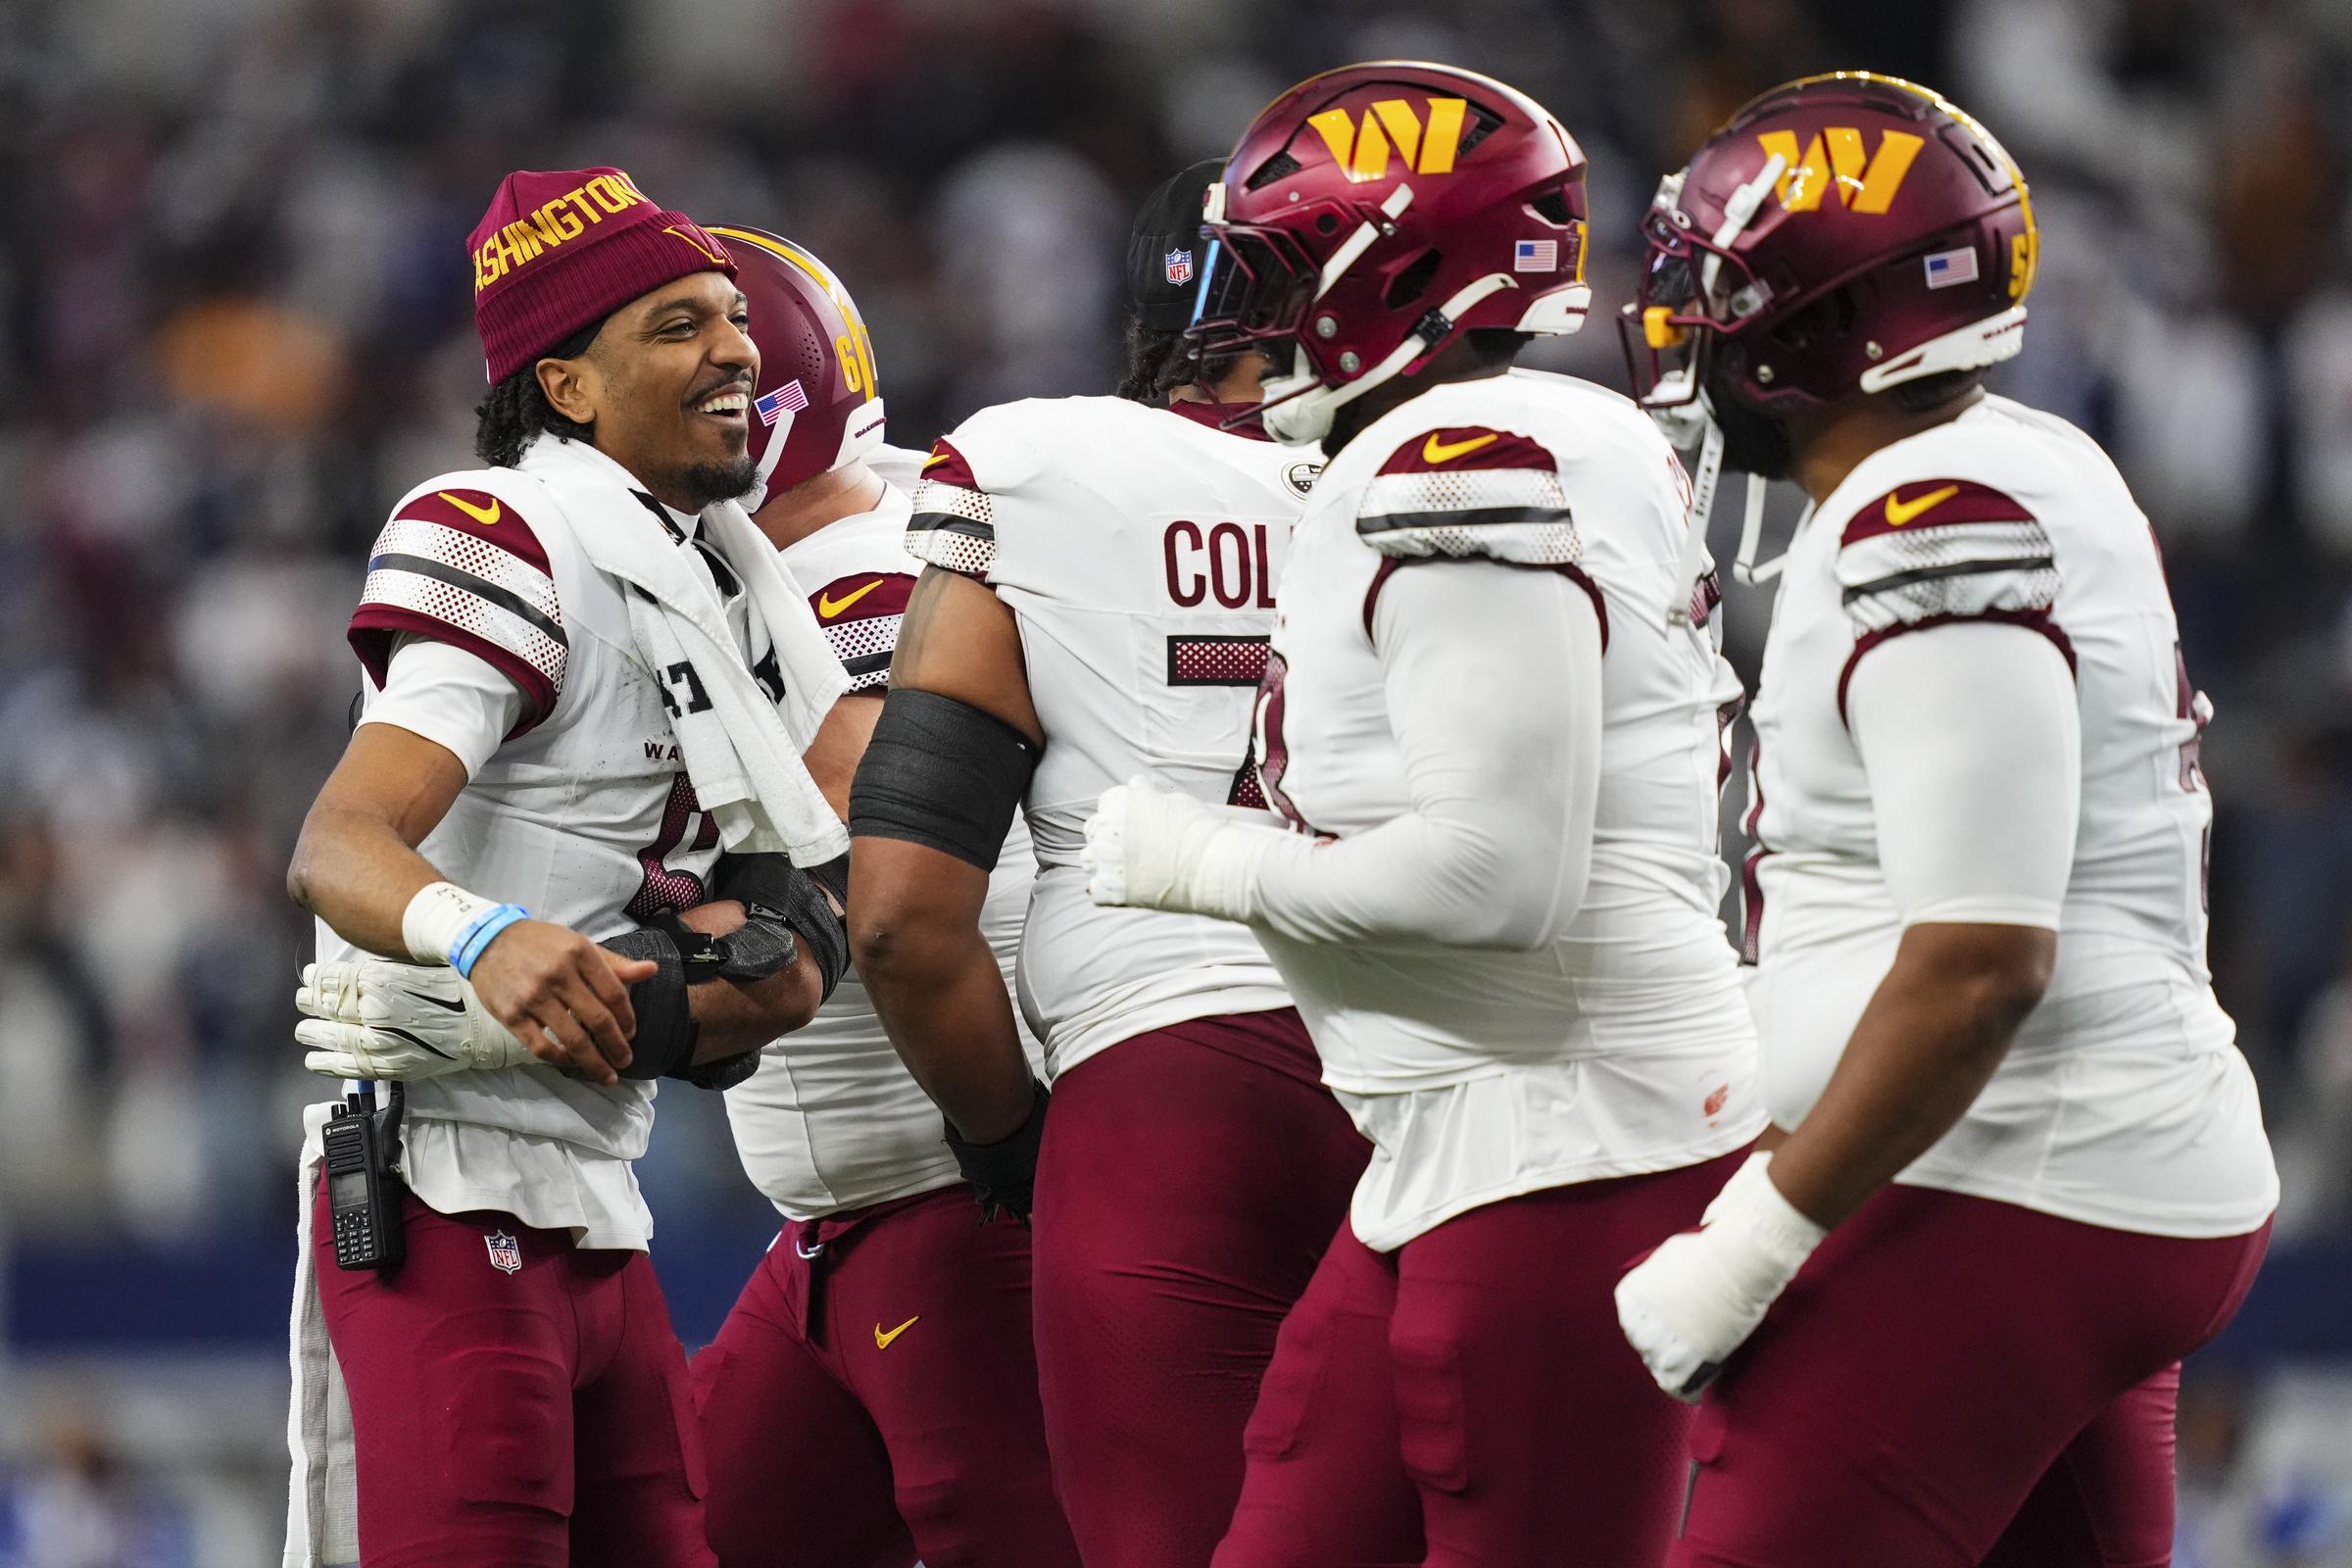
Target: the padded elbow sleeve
(943, 774)
(777, 893)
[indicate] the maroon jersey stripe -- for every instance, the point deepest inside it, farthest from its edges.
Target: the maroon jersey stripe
(1458, 448)
(945, 465)
(1924, 503)
(481, 515)
(374, 627)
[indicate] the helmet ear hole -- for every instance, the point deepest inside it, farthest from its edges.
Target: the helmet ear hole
(1272, 170)
(1410, 286)
(1825, 320)
(1327, 223)
(1553, 206)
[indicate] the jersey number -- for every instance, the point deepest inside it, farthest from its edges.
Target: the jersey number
(1224, 661)
(662, 887)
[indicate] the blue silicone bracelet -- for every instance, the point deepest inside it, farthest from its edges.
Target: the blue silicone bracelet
(468, 948)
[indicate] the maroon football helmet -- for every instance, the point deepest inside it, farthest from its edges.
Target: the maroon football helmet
(1370, 214)
(1844, 232)
(815, 407)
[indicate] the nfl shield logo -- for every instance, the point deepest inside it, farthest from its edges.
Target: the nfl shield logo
(506, 1253)
(1180, 266)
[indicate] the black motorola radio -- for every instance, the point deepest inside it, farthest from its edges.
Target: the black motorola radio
(363, 1187)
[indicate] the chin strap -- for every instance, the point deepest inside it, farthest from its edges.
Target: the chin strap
(1705, 484)
(1752, 538)
(1694, 533)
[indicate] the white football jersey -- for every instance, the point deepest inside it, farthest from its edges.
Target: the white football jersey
(831, 1120)
(1624, 1046)
(2123, 1101)
(1138, 549)
(583, 816)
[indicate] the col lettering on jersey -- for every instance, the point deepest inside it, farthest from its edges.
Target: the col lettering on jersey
(1138, 548)
(2122, 1101)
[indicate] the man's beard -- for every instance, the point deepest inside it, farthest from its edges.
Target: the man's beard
(1753, 441)
(706, 483)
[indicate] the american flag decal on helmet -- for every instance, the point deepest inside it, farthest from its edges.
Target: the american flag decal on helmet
(786, 398)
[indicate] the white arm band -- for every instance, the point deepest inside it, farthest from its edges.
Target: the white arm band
(1972, 740)
(1493, 680)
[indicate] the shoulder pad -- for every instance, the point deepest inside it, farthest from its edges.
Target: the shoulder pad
(860, 615)
(462, 566)
(955, 520)
(1468, 490)
(1942, 550)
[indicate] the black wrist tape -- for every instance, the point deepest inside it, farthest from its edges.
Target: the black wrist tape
(666, 1027)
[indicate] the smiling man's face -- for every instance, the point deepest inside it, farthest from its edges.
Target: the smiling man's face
(667, 387)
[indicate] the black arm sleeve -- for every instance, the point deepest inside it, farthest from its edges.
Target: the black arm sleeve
(943, 774)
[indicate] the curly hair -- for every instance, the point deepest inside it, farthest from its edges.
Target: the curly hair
(516, 410)
(1159, 361)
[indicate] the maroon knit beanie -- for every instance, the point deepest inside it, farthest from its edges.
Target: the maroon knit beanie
(559, 250)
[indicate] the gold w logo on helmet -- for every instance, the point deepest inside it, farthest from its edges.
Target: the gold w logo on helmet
(1363, 150)
(1834, 158)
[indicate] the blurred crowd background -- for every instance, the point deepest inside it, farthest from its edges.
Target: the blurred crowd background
(236, 325)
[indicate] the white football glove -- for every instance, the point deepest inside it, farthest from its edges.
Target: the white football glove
(370, 1018)
(1152, 847)
(1694, 1300)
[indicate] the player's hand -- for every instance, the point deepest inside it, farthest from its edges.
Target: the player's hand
(372, 1018)
(1150, 847)
(1004, 1174)
(563, 996)
(1694, 1300)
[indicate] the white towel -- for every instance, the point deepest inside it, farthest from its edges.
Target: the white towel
(322, 1502)
(743, 751)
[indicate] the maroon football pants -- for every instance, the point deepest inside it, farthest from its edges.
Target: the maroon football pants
(1467, 1401)
(873, 1396)
(1191, 1178)
(514, 1400)
(1951, 1381)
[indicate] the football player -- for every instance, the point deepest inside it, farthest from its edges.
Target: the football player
(1097, 593)
(1500, 759)
(2021, 1169)
(873, 1394)
(519, 803)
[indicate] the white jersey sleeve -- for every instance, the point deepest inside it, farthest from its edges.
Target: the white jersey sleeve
(453, 698)
(1496, 842)
(1973, 750)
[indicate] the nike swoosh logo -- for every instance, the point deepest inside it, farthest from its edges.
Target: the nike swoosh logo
(485, 518)
(455, 1006)
(827, 607)
(1435, 451)
(1899, 512)
(935, 460)
(882, 1340)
